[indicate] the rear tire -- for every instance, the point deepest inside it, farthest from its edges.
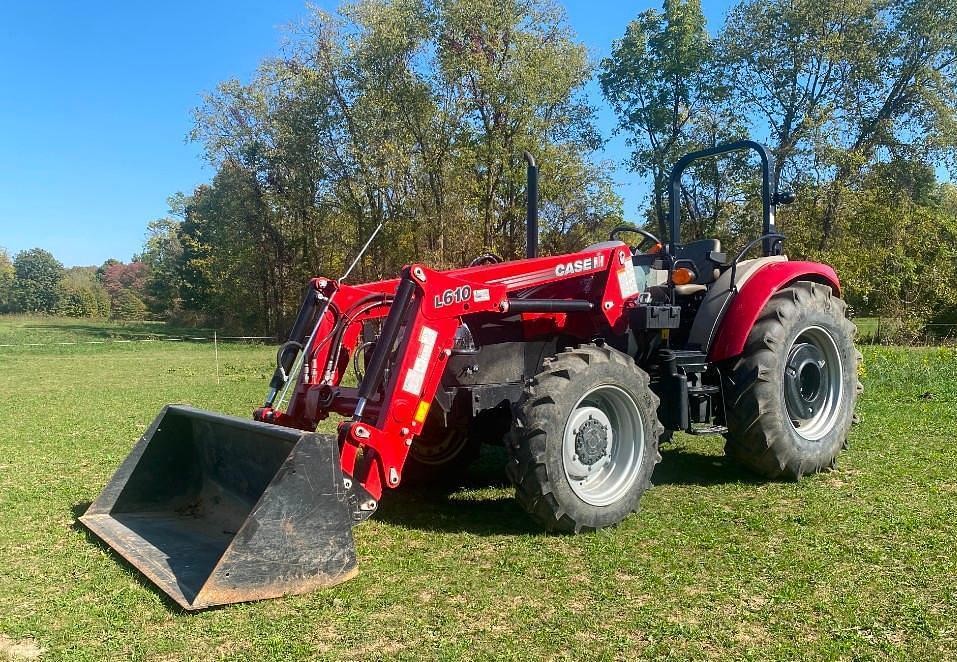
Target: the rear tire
(791, 394)
(584, 440)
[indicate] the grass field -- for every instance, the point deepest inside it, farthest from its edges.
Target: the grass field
(858, 563)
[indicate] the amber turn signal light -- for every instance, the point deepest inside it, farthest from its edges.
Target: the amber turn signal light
(682, 276)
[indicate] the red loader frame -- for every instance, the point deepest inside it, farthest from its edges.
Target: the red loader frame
(431, 305)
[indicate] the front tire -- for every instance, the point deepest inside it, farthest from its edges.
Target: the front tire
(791, 394)
(440, 455)
(584, 440)
(443, 455)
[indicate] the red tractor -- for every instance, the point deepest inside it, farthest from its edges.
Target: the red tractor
(580, 364)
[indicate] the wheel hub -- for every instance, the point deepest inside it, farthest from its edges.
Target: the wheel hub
(591, 442)
(439, 446)
(806, 381)
(602, 445)
(813, 383)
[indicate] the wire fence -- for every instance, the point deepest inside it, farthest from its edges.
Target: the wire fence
(870, 331)
(895, 331)
(215, 339)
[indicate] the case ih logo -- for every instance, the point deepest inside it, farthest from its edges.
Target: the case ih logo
(577, 266)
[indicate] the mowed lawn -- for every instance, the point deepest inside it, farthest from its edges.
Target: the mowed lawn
(858, 563)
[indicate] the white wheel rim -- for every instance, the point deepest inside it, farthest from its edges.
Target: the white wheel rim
(813, 385)
(603, 445)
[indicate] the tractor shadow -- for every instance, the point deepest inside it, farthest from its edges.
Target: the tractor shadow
(447, 512)
(680, 466)
(482, 504)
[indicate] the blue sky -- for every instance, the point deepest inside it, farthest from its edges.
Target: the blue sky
(95, 103)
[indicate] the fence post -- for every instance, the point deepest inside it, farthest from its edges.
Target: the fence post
(216, 353)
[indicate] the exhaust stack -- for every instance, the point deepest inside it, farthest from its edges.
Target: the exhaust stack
(531, 213)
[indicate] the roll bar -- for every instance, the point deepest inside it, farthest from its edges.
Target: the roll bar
(769, 201)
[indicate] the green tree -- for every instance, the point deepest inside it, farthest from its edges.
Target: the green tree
(897, 257)
(231, 262)
(7, 275)
(904, 97)
(127, 306)
(659, 81)
(521, 74)
(163, 255)
(841, 85)
(82, 295)
(37, 275)
(413, 113)
(793, 64)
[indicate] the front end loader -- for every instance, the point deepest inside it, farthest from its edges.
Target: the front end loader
(579, 364)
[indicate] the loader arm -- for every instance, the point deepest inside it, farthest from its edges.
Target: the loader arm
(420, 313)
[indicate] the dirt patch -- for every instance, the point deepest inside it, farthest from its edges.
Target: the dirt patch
(24, 649)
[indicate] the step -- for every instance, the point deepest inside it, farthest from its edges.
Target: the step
(707, 429)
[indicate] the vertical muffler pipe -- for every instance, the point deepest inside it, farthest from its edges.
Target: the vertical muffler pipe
(531, 214)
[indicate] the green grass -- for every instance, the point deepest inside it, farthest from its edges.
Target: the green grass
(858, 563)
(33, 330)
(868, 327)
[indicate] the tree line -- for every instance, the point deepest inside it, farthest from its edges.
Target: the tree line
(34, 281)
(416, 113)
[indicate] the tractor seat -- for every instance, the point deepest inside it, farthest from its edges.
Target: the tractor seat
(659, 293)
(706, 256)
(689, 289)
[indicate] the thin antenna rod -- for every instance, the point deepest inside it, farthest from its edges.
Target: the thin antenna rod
(300, 357)
(361, 252)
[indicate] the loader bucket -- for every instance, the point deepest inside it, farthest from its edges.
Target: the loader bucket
(215, 509)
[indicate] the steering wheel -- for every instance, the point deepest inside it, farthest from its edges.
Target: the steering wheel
(485, 258)
(646, 236)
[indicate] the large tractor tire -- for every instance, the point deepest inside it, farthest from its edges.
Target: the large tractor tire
(584, 440)
(790, 396)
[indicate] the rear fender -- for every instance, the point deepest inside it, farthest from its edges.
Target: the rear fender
(756, 292)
